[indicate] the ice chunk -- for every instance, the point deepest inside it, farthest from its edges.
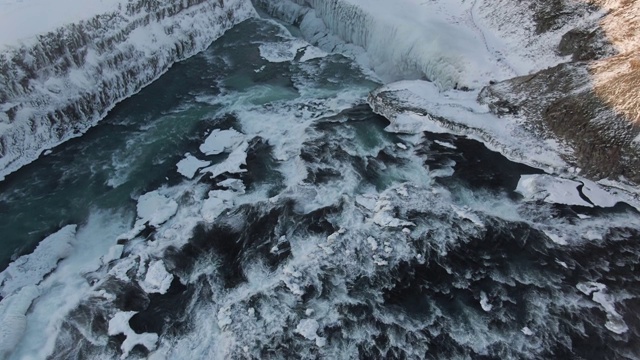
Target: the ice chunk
(525, 330)
(32, 268)
(158, 279)
(445, 144)
(220, 141)
(190, 165)
(119, 324)
(558, 239)
(465, 213)
(373, 243)
(232, 164)
(597, 195)
(598, 292)
(367, 201)
(550, 189)
(155, 208)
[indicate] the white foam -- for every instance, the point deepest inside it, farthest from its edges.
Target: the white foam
(216, 203)
(484, 302)
(309, 328)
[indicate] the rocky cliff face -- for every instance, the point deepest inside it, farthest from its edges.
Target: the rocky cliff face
(60, 84)
(590, 102)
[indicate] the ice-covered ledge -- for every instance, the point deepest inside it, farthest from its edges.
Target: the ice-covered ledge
(65, 64)
(415, 106)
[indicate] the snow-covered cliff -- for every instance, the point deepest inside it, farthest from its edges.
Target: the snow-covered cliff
(530, 55)
(57, 84)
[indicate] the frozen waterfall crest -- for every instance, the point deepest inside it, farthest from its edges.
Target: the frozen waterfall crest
(383, 36)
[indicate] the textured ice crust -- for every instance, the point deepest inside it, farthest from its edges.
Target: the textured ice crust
(112, 51)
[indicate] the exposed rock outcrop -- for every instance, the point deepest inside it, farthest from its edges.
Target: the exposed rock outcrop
(592, 102)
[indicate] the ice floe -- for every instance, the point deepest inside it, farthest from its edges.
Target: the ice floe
(598, 292)
(119, 324)
(158, 279)
(220, 141)
(190, 165)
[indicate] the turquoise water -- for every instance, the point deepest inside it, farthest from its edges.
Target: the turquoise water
(136, 147)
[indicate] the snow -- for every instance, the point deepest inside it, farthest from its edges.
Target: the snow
(155, 208)
(119, 324)
(599, 295)
(30, 269)
(22, 20)
(125, 44)
(220, 141)
(550, 189)
(232, 165)
(190, 165)
(13, 310)
(158, 279)
(556, 190)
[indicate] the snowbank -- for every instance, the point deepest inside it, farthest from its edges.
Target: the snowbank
(32, 268)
